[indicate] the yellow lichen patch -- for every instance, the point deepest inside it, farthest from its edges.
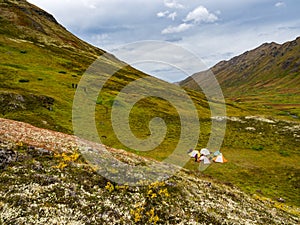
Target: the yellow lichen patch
(164, 192)
(121, 187)
(61, 165)
(152, 217)
(137, 214)
(66, 159)
(110, 187)
(156, 184)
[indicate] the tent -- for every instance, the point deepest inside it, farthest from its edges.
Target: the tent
(217, 153)
(204, 151)
(193, 153)
(204, 159)
(220, 158)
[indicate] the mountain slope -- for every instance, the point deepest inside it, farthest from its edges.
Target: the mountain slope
(268, 75)
(25, 21)
(54, 185)
(269, 66)
(41, 64)
(39, 58)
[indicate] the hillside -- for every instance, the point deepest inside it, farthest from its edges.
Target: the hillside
(38, 58)
(26, 22)
(41, 64)
(267, 75)
(44, 180)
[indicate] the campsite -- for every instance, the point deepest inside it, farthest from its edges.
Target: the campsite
(204, 157)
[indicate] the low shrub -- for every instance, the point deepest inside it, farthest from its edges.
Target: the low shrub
(23, 80)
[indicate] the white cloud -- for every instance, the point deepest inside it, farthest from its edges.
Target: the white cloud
(279, 4)
(235, 32)
(200, 14)
(173, 4)
(177, 29)
(167, 14)
(172, 15)
(162, 14)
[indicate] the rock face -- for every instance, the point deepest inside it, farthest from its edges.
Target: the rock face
(12, 102)
(50, 182)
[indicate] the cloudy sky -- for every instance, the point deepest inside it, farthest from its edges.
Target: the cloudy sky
(213, 30)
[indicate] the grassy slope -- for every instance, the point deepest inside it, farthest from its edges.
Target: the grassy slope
(265, 81)
(51, 64)
(267, 76)
(43, 69)
(263, 162)
(51, 70)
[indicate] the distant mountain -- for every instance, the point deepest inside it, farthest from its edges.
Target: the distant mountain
(270, 66)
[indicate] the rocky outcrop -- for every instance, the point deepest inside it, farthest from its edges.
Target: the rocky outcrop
(7, 156)
(52, 183)
(12, 102)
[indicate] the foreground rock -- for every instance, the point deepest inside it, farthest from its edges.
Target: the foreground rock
(49, 182)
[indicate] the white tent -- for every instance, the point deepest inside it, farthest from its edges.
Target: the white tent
(205, 160)
(204, 151)
(220, 158)
(193, 153)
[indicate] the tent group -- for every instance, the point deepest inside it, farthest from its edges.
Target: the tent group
(206, 156)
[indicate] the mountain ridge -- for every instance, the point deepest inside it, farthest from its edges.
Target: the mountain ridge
(265, 79)
(29, 22)
(257, 67)
(40, 57)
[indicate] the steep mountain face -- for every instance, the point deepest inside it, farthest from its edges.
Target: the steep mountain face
(271, 66)
(40, 59)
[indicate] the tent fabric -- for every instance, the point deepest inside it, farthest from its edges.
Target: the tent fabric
(204, 159)
(220, 158)
(193, 153)
(204, 151)
(217, 153)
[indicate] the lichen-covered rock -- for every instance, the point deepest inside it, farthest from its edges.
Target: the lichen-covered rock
(7, 156)
(55, 185)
